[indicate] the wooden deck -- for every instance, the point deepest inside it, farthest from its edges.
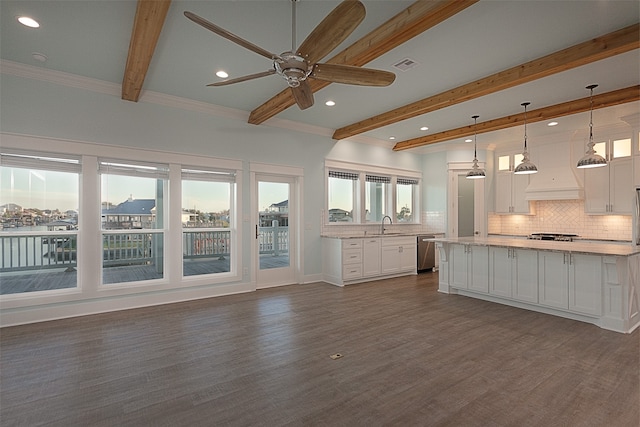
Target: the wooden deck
(411, 357)
(63, 279)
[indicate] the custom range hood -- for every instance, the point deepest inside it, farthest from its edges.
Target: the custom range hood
(554, 184)
(555, 179)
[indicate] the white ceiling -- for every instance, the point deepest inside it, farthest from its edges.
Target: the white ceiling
(91, 39)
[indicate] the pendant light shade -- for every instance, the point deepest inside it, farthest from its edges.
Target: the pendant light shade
(476, 172)
(526, 167)
(591, 159)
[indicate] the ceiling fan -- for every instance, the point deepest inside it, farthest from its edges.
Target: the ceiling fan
(296, 65)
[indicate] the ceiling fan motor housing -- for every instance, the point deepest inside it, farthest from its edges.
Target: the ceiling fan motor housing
(293, 68)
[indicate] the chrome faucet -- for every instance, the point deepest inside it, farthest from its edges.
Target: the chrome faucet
(382, 224)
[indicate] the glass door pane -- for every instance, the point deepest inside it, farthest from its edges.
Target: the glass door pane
(273, 225)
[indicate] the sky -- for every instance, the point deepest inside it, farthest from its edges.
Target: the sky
(59, 190)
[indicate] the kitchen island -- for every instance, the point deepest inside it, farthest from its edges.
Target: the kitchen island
(598, 283)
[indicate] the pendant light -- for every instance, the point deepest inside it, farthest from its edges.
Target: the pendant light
(475, 172)
(526, 167)
(591, 159)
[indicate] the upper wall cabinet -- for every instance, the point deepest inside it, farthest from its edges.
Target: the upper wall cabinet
(609, 189)
(510, 188)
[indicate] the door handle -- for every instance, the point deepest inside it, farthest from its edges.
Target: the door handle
(256, 231)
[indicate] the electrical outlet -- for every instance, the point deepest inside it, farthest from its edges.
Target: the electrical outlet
(245, 271)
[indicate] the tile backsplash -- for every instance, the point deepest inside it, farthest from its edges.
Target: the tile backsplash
(431, 222)
(563, 216)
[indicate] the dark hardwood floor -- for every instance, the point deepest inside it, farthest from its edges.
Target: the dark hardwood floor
(410, 357)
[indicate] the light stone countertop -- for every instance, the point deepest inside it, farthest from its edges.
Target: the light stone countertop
(548, 245)
(372, 235)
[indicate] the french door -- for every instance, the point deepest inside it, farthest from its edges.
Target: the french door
(275, 230)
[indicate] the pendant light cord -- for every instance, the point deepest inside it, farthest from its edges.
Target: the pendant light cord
(524, 104)
(591, 115)
(475, 136)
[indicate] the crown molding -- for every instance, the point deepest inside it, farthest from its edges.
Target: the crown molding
(114, 89)
(58, 77)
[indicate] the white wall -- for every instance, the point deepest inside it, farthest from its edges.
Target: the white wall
(98, 115)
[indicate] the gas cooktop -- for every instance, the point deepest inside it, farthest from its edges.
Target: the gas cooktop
(559, 237)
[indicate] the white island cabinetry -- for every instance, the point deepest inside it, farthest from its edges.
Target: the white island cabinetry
(513, 273)
(590, 282)
(355, 260)
(571, 281)
(469, 267)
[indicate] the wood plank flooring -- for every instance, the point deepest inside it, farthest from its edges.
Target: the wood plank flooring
(411, 357)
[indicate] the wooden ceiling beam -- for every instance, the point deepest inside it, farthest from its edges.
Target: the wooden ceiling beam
(609, 99)
(615, 43)
(147, 25)
(417, 18)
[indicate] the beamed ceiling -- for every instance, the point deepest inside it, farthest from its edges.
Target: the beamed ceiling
(471, 57)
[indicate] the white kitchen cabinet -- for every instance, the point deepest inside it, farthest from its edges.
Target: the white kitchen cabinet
(469, 266)
(609, 189)
(370, 257)
(585, 284)
(571, 282)
(399, 254)
(354, 260)
(513, 273)
(510, 188)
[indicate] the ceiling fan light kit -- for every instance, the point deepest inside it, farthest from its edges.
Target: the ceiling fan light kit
(297, 65)
(476, 172)
(591, 159)
(525, 167)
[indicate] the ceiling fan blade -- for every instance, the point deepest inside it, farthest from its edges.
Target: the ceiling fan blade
(332, 31)
(303, 95)
(352, 75)
(229, 36)
(243, 78)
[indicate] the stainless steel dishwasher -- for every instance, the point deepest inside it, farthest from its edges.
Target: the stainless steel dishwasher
(426, 252)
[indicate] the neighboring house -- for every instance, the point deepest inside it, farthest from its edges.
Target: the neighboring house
(339, 215)
(276, 212)
(10, 208)
(130, 214)
(62, 225)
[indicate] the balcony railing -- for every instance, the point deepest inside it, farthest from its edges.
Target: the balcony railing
(25, 253)
(20, 252)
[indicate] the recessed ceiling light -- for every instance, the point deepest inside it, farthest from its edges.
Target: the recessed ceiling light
(392, 138)
(28, 22)
(552, 123)
(468, 140)
(424, 128)
(41, 57)
(330, 103)
(222, 74)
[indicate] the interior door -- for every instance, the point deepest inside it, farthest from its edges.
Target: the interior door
(275, 231)
(466, 210)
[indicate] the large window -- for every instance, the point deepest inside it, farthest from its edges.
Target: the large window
(133, 204)
(39, 200)
(376, 191)
(406, 189)
(365, 194)
(342, 189)
(207, 221)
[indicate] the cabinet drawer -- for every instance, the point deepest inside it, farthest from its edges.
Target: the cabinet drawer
(352, 272)
(351, 244)
(399, 241)
(352, 256)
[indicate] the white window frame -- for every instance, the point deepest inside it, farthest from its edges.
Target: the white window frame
(359, 196)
